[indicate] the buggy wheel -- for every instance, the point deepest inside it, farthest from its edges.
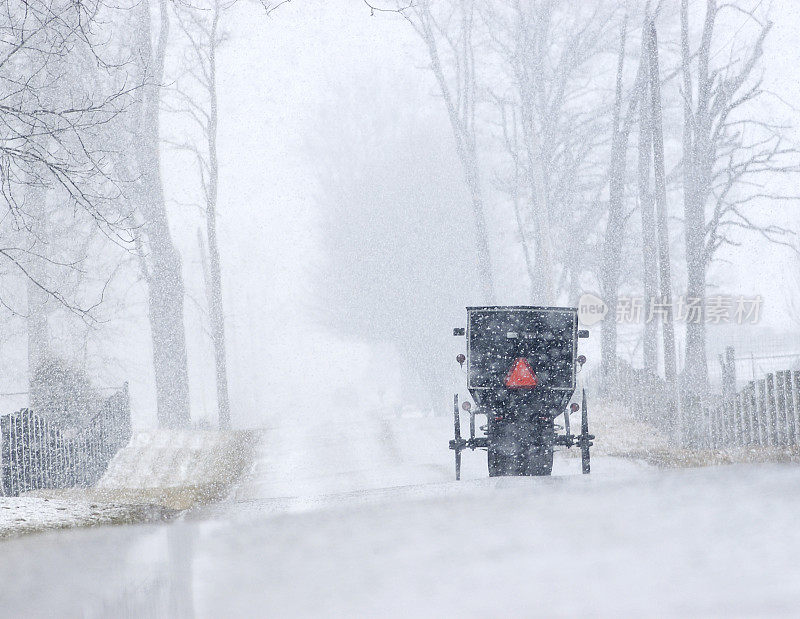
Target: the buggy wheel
(540, 460)
(496, 466)
(520, 459)
(503, 464)
(521, 449)
(507, 452)
(540, 453)
(530, 461)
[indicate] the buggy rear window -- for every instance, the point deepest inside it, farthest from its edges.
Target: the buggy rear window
(545, 337)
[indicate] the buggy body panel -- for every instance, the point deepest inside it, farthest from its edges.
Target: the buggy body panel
(546, 337)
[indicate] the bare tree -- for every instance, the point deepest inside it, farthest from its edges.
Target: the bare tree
(160, 261)
(513, 185)
(201, 26)
(622, 122)
(66, 91)
(647, 212)
(551, 136)
(62, 98)
(729, 155)
(662, 232)
(450, 35)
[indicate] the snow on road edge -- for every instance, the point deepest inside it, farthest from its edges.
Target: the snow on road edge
(28, 514)
(156, 476)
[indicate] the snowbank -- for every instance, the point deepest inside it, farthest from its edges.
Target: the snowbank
(175, 468)
(158, 474)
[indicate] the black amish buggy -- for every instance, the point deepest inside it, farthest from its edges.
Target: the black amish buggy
(522, 364)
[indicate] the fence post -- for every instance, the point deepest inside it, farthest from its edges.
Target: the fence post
(789, 408)
(22, 452)
(36, 453)
(751, 392)
(68, 468)
(62, 461)
(772, 413)
(96, 454)
(763, 427)
(745, 393)
(724, 425)
(796, 399)
(28, 449)
(19, 454)
(730, 422)
(49, 434)
(32, 450)
(14, 460)
(11, 468)
(710, 426)
(4, 455)
(737, 421)
(780, 408)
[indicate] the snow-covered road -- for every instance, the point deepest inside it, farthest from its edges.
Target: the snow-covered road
(362, 518)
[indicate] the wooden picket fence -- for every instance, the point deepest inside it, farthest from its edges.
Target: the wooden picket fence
(766, 413)
(38, 453)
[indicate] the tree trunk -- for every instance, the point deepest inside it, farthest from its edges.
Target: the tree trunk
(165, 288)
(662, 231)
(164, 277)
(462, 122)
(695, 187)
(615, 230)
(526, 252)
(544, 288)
(215, 297)
(37, 297)
(649, 252)
(484, 265)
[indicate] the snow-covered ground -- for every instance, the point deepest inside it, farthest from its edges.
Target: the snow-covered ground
(28, 514)
(364, 519)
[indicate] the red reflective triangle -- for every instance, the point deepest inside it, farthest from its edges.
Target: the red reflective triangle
(521, 375)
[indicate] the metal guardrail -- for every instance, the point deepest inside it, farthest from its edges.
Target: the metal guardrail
(37, 453)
